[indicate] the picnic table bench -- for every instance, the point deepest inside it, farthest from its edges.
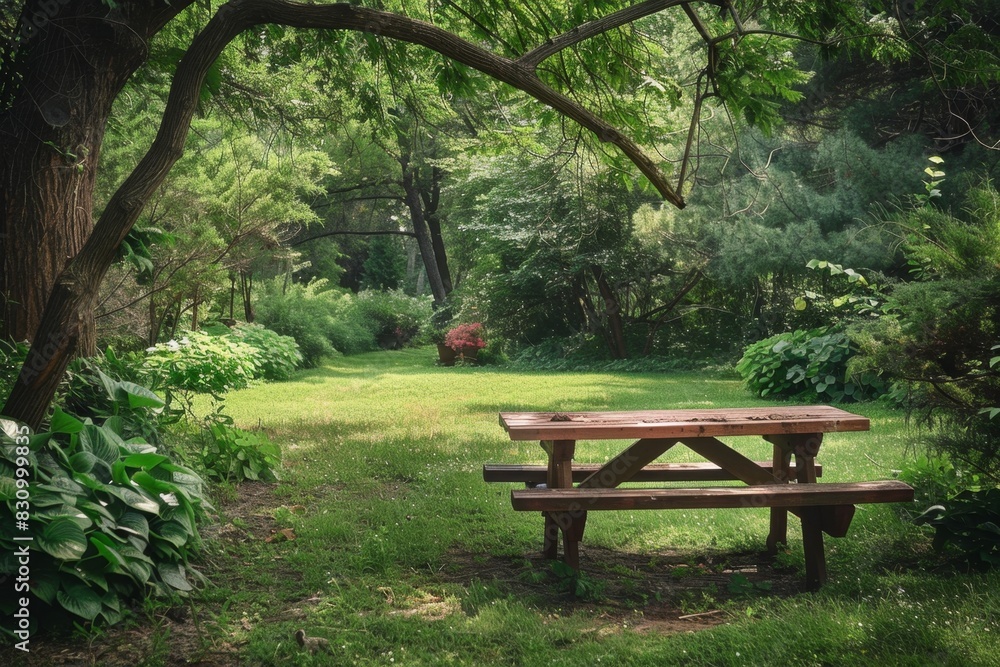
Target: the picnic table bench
(781, 484)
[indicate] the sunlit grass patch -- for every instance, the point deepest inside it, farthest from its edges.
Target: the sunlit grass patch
(403, 555)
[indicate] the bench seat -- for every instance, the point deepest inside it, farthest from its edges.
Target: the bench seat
(654, 472)
(765, 495)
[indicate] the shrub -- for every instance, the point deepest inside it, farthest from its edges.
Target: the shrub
(935, 480)
(92, 393)
(967, 525)
(275, 356)
(202, 363)
(109, 519)
(304, 312)
(806, 364)
(392, 317)
(233, 455)
(324, 321)
(465, 336)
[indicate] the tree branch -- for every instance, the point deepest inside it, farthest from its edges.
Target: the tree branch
(596, 27)
(347, 233)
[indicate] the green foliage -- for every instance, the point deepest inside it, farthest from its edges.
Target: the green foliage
(93, 393)
(202, 363)
(576, 583)
(937, 340)
(233, 455)
(806, 364)
(393, 317)
(324, 320)
(968, 524)
(303, 311)
(385, 267)
(275, 356)
(756, 74)
(12, 356)
(935, 480)
(110, 518)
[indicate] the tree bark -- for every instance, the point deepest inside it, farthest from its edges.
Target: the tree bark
(72, 61)
(432, 213)
(246, 288)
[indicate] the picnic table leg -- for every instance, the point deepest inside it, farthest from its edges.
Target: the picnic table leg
(806, 449)
(782, 458)
(812, 545)
(560, 476)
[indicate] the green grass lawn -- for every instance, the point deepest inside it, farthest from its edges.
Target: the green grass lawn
(403, 555)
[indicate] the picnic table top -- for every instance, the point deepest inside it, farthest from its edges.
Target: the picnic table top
(699, 423)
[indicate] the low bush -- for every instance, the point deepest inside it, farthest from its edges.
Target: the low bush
(304, 312)
(392, 317)
(967, 527)
(233, 455)
(935, 480)
(202, 363)
(275, 356)
(808, 365)
(109, 519)
(92, 393)
(324, 320)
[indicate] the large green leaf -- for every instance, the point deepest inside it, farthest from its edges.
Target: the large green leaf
(64, 539)
(82, 461)
(109, 550)
(100, 442)
(8, 489)
(64, 423)
(53, 512)
(44, 582)
(146, 461)
(139, 396)
(173, 532)
(80, 600)
(173, 574)
(135, 523)
(134, 499)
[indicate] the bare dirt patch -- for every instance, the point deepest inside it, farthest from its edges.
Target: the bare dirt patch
(661, 593)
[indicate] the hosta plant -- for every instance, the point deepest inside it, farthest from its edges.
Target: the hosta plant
(809, 365)
(104, 519)
(203, 363)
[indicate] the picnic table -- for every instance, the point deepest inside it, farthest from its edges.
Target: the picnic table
(565, 491)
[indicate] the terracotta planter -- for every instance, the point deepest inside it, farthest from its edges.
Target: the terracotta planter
(446, 355)
(469, 353)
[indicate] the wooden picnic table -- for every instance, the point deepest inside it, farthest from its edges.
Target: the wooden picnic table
(780, 484)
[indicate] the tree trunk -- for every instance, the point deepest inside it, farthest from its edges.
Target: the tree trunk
(432, 213)
(72, 65)
(246, 287)
(613, 311)
(422, 231)
(194, 310)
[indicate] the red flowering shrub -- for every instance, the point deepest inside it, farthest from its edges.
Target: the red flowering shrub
(465, 336)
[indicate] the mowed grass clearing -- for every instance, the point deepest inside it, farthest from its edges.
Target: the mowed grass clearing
(403, 555)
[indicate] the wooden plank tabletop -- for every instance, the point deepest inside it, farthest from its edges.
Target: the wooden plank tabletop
(679, 423)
